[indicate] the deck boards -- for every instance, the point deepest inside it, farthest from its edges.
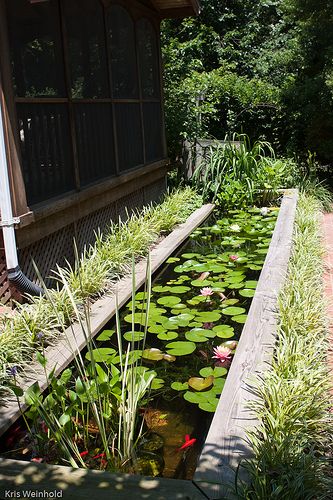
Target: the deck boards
(18, 477)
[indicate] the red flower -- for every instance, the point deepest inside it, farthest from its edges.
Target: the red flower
(233, 257)
(84, 453)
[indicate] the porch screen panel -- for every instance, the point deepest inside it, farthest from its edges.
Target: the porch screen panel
(46, 150)
(122, 53)
(129, 133)
(36, 48)
(148, 59)
(87, 48)
(94, 136)
(152, 118)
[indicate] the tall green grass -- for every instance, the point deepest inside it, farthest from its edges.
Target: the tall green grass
(94, 271)
(293, 442)
(237, 174)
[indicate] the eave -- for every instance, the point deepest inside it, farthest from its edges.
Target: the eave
(176, 8)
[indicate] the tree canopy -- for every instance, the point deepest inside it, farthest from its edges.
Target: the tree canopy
(264, 68)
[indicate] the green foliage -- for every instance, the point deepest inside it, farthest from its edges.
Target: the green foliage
(238, 174)
(264, 68)
(92, 273)
(294, 435)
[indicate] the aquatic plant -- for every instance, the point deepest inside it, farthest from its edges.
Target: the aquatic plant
(222, 353)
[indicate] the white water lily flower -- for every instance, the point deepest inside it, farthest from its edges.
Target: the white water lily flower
(264, 210)
(235, 227)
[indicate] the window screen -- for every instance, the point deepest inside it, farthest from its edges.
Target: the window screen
(152, 117)
(87, 48)
(46, 150)
(36, 48)
(129, 134)
(148, 59)
(94, 137)
(122, 53)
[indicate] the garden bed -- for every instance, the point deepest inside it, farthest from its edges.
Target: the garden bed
(224, 445)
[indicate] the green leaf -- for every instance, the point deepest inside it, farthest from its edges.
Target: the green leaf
(66, 376)
(240, 319)
(209, 406)
(216, 372)
(233, 311)
(169, 301)
(153, 354)
(41, 359)
(105, 335)
(167, 336)
(224, 331)
(250, 284)
(208, 317)
(180, 348)
(178, 386)
(64, 419)
(101, 354)
(200, 383)
(157, 383)
(134, 336)
(247, 292)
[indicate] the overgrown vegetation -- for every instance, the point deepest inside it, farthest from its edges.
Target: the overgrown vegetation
(293, 443)
(263, 68)
(238, 174)
(97, 269)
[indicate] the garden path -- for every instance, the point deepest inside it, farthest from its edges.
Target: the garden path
(327, 226)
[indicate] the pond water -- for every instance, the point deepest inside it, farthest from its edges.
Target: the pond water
(187, 333)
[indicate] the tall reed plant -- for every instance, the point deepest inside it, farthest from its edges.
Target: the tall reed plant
(91, 411)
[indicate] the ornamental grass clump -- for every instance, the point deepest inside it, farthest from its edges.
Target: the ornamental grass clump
(293, 442)
(93, 272)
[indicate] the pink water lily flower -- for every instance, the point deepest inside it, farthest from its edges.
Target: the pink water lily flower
(233, 257)
(222, 353)
(206, 291)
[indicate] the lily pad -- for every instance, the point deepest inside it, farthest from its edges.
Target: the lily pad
(179, 289)
(180, 306)
(156, 329)
(196, 337)
(201, 283)
(247, 292)
(233, 311)
(218, 371)
(101, 354)
(208, 317)
(229, 302)
(157, 383)
(209, 406)
(168, 301)
(167, 336)
(200, 383)
(153, 354)
(134, 336)
(250, 284)
(240, 319)
(219, 383)
(172, 260)
(178, 386)
(190, 255)
(105, 335)
(180, 348)
(224, 331)
(161, 289)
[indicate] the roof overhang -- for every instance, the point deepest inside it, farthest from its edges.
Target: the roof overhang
(177, 8)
